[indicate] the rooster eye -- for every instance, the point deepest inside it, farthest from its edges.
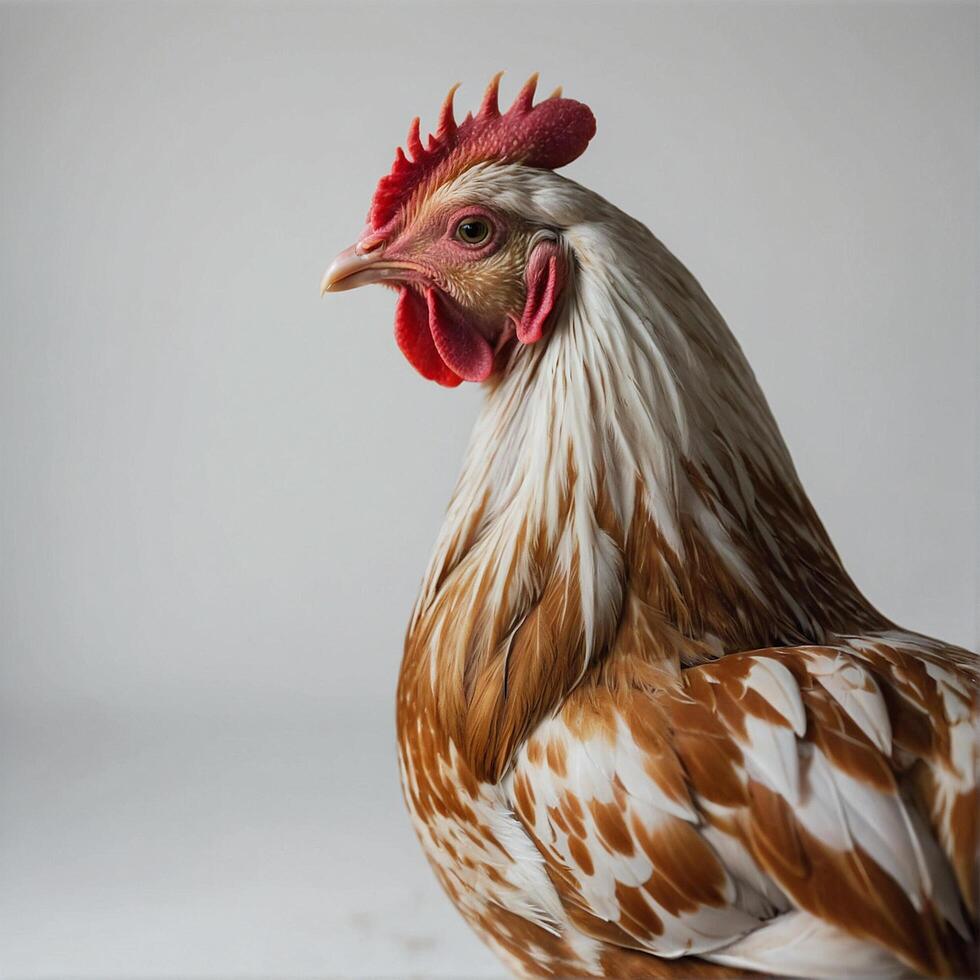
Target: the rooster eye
(473, 231)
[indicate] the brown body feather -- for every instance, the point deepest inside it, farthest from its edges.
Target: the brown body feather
(686, 711)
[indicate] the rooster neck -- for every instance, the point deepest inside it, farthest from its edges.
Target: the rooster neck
(626, 504)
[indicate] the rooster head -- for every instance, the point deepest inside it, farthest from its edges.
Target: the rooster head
(473, 273)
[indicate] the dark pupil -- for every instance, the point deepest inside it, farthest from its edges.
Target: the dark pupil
(473, 231)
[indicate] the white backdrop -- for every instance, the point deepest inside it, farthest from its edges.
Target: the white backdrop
(219, 492)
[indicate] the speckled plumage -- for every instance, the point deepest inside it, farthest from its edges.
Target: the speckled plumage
(647, 724)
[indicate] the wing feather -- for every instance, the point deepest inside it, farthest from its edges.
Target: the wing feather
(793, 792)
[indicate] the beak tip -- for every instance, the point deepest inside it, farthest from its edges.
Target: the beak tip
(334, 275)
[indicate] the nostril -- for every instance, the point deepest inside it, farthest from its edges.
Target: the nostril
(369, 246)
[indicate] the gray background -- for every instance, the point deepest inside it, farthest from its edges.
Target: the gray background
(219, 492)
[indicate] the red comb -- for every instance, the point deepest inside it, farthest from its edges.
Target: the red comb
(547, 135)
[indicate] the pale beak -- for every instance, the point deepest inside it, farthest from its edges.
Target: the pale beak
(354, 267)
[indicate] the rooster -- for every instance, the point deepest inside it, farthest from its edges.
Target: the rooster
(647, 724)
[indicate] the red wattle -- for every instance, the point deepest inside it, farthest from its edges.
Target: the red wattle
(414, 338)
(460, 345)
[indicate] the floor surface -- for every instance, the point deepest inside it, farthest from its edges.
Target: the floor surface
(161, 847)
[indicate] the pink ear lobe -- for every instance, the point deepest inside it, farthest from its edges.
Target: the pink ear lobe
(544, 278)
